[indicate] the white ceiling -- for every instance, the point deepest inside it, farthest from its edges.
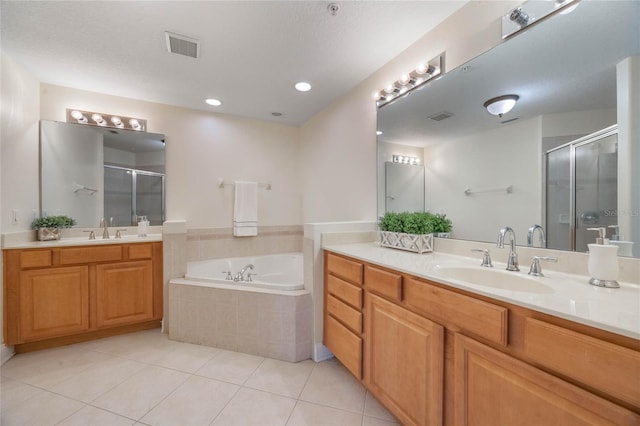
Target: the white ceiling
(252, 52)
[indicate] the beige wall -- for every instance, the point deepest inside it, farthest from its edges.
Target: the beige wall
(19, 128)
(200, 148)
(339, 144)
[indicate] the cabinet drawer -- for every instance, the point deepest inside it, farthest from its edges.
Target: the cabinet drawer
(105, 253)
(345, 268)
(345, 314)
(484, 319)
(35, 258)
(383, 282)
(140, 251)
(345, 345)
(344, 291)
(601, 365)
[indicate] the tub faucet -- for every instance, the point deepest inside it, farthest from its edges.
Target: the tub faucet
(512, 262)
(531, 234)
(240, 275)
(105, 229)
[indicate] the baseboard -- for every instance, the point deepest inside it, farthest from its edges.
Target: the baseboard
(6, 352)
(321, 353)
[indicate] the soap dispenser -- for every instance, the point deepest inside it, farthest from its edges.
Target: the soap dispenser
(625, 248)
(603, 261)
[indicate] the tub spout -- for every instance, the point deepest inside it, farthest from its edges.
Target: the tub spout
(240, 275)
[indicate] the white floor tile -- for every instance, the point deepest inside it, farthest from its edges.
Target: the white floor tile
(144, 378)
(308, 414)
(188, 358)
(13, 392)
(283, 378)
(44, 408)
(232, 367)
(95, 417)
(136, 396)
(332, 385)
(253, 407)
(196, 402)
(373, 408)
(98, 379)
(48, 367)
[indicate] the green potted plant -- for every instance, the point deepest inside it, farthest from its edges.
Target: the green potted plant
(49, 227)
(441, 225)
(407, 231)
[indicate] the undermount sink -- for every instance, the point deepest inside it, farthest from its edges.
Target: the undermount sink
(498, 279)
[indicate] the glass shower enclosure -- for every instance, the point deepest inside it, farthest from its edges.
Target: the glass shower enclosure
(581, 189)
(130, 193)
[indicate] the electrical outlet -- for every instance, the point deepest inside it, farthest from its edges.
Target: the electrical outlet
(14, 216)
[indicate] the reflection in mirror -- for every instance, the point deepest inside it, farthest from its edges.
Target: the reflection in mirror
(404, 187)
(567, 90)
(90, 172)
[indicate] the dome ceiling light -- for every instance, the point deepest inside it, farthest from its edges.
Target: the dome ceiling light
(501, 105)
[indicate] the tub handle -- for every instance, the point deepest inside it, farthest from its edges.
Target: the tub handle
(228, 277)
(249, 277)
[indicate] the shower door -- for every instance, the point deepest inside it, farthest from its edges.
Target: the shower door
(581, 190)
(129, 193)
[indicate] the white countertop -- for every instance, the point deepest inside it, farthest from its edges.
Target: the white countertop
(565, 295)
(84, 241)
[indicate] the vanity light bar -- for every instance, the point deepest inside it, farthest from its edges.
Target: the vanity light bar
(105, 120)
(404, 159)
(407, 82)
(531, 12)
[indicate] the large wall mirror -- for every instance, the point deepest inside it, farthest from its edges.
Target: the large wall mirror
(90, 173)
(563, 157)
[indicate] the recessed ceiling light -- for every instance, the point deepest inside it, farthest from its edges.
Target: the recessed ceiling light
(378, 132)
(213, 102)
(303, 86)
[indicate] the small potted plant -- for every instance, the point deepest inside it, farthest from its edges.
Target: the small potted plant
(441, 225)
(407, 231)
(49, 227)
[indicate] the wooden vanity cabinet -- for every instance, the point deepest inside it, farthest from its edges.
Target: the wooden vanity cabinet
(408, 381)
(433, 354)
(63, 295)
(343, 302)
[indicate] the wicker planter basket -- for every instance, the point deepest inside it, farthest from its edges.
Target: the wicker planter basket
(417, 243)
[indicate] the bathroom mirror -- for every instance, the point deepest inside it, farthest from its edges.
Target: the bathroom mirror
(91, 172)
(487, 171)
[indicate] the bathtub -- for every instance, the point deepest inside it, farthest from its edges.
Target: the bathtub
(274, 271)
(271, 316)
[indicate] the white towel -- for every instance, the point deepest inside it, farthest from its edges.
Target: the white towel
(245, 209)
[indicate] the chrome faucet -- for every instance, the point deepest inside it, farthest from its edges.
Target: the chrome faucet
(486, 258)
(531, 234)
(105, 229)
(240, 275)
(512, 262)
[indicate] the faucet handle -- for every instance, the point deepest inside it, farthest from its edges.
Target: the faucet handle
(228, 277)
(486, 259)
(536, 269)
(118, 234)
(92, 234)
(249, 275)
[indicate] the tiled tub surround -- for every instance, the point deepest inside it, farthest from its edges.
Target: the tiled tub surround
(216, 243)
(182, 245)
(269, 323)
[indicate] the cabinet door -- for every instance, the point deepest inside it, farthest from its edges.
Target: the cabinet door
(492, 388)
(404, 362)
(53, 302)
(124, 293)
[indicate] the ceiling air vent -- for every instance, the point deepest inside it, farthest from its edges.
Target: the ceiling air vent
(441, 116)
(182, 45)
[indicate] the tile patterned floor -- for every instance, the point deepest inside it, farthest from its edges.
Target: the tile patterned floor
(146, 379)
